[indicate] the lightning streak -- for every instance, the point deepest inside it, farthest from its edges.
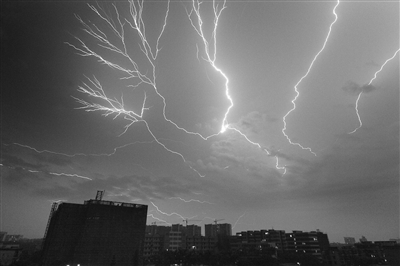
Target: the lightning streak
(303, 77)
(70, 175)
(169, 214)
(116, 108)
(369, 83)
(191, 200)
(49, 173)
(241, 216)
(158, 219)
(94, 89)
(211, 57)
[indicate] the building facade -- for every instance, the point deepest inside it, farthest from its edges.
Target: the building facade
(313, 243)
(214, 230)
(97, 233)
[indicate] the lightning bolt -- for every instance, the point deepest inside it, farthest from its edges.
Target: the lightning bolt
(211, 57)
(301, 79)
(369, 83)
(49, 173)
(191, 200)
(170, 214)
(241, 216)
(115, 107)
(70, 175)
(158, 219)
(115, 150)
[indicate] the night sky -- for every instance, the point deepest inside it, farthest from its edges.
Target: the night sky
(250, 175)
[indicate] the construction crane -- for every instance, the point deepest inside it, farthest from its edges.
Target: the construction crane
(186, 220)
(217, 220)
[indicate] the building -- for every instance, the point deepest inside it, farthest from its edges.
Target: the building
(275, 238)
(214, 230)
(313, 243)
(12, 238)
(365, 253)
(193, 230)
(349, 240)
(200, 243)
(97, 232)
(153, 245)
(173, 238)
(9, 254)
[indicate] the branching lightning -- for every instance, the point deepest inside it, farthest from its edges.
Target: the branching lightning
(303, 77)
(94, 89)
(115, 107)
(369, 83)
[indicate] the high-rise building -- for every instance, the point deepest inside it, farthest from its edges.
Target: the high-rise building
(97, 232)
(193, 230)
(213, 230)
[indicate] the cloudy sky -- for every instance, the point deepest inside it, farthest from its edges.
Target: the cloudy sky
(174, 156)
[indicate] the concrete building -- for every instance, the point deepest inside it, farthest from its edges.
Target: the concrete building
(200, 243)
(275, 238)
(9, 254)
(214, 230)
(97, 232)
(313, 243)
(193, 230)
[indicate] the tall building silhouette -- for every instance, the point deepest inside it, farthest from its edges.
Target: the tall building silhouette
(96, 233)
(214, 230)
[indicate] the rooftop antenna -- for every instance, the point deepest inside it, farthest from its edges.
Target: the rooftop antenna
(99, 194)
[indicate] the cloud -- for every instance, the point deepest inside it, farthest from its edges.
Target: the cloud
(255, 122)
(354, 89)
(15, 161)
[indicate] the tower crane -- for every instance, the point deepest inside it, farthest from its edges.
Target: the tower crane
(186, 220)
(217, 220)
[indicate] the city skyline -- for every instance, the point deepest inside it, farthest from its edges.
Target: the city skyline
(293, 122)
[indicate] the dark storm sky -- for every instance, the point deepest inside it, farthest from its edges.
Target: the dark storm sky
(50, 150)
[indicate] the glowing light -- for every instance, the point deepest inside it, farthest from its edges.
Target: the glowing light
(369, 83)
(301, 79)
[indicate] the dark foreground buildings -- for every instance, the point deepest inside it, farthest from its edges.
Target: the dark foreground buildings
(96, 233)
